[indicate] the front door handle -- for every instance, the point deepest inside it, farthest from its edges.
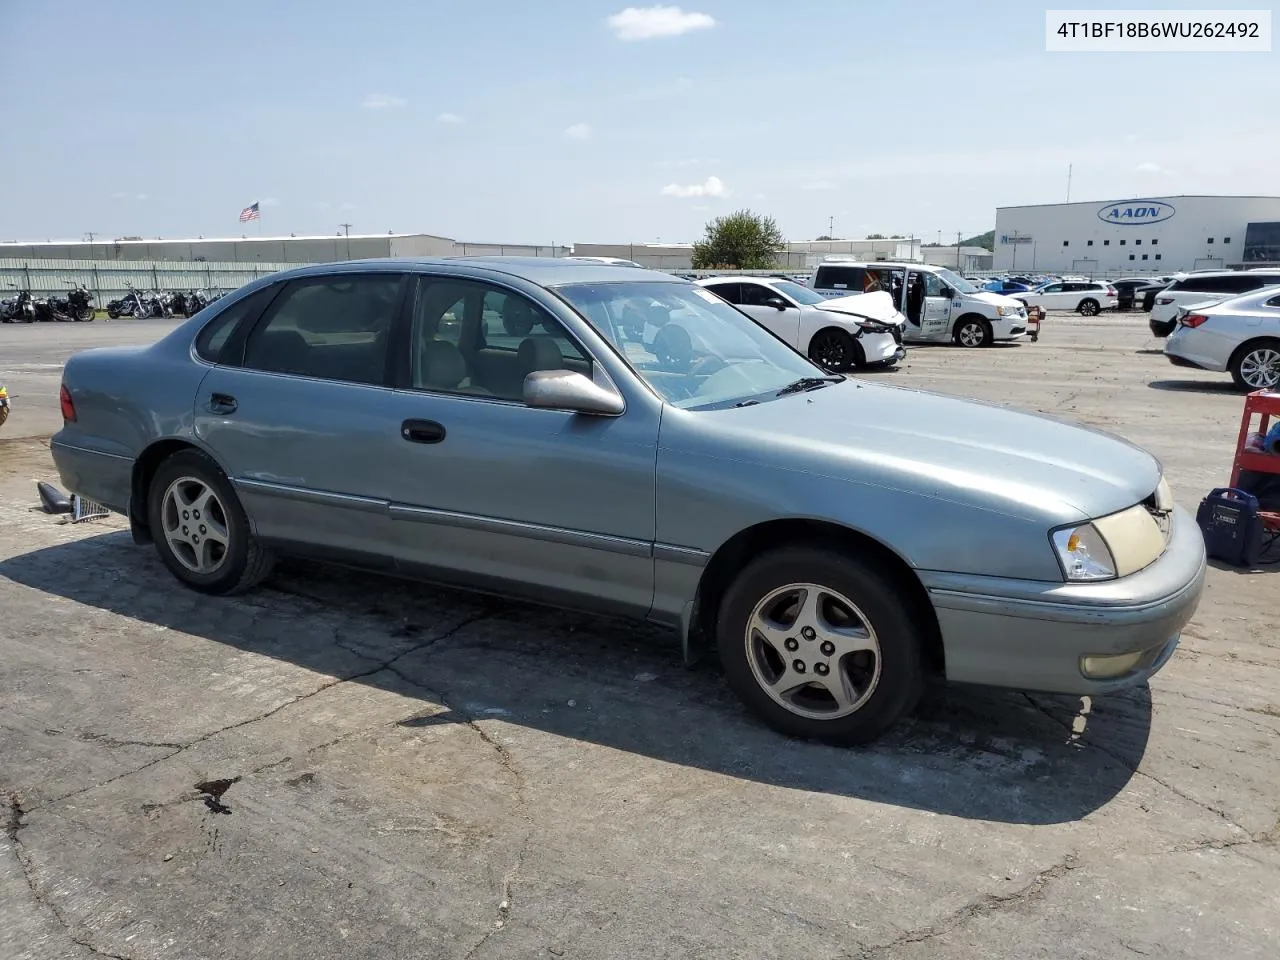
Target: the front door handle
(222, 403)
(422, 431)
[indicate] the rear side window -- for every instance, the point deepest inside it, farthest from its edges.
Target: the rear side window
(217, 332)
(333, 328)
(839, 278)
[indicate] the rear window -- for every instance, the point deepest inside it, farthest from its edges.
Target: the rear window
(838, 278)
(217, 332)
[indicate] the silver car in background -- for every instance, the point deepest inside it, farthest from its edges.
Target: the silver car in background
(484, 423)
(1240, 336)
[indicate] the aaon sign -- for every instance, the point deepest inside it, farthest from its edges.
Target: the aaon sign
(1135, 212)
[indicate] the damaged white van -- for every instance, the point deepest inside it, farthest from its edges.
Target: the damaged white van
(939, 304)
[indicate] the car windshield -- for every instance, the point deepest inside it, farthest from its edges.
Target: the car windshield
(690, 346)
(955, 281)
(796, 292)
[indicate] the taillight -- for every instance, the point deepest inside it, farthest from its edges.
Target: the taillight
(1111, 291)
(68, 407)
(1193, 319)
(1165, 301)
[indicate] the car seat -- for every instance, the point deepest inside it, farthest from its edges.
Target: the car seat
(441, 366)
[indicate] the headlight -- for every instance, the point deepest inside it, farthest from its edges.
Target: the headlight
(1083, 554)
(1003, 311)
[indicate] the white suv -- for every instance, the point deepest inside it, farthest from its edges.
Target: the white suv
(1204, 288)
(1086, 297)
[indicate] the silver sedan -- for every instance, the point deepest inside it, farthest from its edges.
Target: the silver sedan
(484, 423)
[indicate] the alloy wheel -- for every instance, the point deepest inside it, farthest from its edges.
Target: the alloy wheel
(1260, 367)
(195, 525)
(813, 651)
(829, 352)
(972, 335)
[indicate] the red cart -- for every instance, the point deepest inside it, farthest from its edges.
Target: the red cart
(1034, 316)
(1262, 406)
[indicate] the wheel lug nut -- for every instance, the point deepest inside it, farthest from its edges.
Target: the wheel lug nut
(185, 531)
(820, 669)
(808, 633)
(790, 644)
(798, 666)
(195, 539)
(196, 514)
(185, 515)
(827, 648)
(202, 529)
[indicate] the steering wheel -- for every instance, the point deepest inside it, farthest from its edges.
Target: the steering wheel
(708, 365)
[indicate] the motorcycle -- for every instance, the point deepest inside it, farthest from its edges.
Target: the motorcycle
(135, 304)
(18, 308)
(76, 305)
(180, 303)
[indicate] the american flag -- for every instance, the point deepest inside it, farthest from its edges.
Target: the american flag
(249, 213)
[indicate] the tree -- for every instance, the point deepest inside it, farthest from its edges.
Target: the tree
(739, 241)
(987, 240)
(825, 236)
(876, 236)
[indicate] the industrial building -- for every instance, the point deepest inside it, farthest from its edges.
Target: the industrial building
(285, 250)
(1149, 235)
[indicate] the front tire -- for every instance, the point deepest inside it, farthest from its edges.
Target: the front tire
(1256, 365)
(972, 332)
(1089, 307)
(200, 529)
(821, 644)
(833, 349)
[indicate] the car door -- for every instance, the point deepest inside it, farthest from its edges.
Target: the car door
(1049, 297)
(296, 412)
(761, 303)
(487, 491)
(935, 308)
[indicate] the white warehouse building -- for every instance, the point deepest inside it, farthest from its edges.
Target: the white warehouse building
(1149, 235)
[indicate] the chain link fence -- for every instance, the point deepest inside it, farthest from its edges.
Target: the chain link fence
(110, 280)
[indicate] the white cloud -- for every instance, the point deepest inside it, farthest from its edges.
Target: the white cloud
(711, 187)
(819, 185)
(645, 23)
(448, 118)
(381, 101)
(346, 205)
(269, 202)
(579, 131)
(1149, 167)
(668, 164)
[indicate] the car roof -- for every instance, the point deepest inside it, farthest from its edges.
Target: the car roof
(544, 271)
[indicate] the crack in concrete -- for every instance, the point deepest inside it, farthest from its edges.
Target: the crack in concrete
(1134, 769)
(113, 743)
(378, 667)
(14, 822)
(982, 907)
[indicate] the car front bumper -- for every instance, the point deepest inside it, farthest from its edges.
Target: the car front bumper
(1032, 635)
(881, 348)
(1008, 328)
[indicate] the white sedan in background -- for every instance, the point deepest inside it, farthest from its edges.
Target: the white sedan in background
(1087, 297)
(863, 330)
(1240, 336)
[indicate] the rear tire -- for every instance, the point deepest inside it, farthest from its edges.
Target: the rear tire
(1256, 365)
(188, 540)
(1089, 307)
(822, 644)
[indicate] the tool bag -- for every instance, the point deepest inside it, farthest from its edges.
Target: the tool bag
(1232, 529)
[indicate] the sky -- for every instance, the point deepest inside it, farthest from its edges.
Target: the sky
(585, 121)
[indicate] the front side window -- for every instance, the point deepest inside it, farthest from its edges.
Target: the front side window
(759, 295)
(731, 292)
(693, 349)
(477, 339)
(334, 328)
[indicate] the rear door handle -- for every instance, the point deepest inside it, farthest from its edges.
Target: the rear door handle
(422, 431)
(222, 403)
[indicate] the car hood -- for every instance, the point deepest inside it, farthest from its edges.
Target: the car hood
(968, 451)
(873, 306)
(995, 299)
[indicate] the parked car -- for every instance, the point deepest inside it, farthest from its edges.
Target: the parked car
(939, 305)
(1135, 290)
(1240, 336)
(1086, 297)
(1008, 288)
(1200, 288)
(836, 539)
(860, 331)
(611, 261)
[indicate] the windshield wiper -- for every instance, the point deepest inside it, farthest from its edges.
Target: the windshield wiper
(808, 383)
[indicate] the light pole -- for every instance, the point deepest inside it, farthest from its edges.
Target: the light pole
(346, 232)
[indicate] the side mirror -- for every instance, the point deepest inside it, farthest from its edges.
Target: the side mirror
(569, 390)
(946, 292)
(777, 303)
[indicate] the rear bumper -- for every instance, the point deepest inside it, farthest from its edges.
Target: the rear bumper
(104, 477)
(1192, 348)
(1034, 636)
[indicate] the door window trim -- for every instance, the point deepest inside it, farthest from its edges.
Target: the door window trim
(400, 368)
(237, 361)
